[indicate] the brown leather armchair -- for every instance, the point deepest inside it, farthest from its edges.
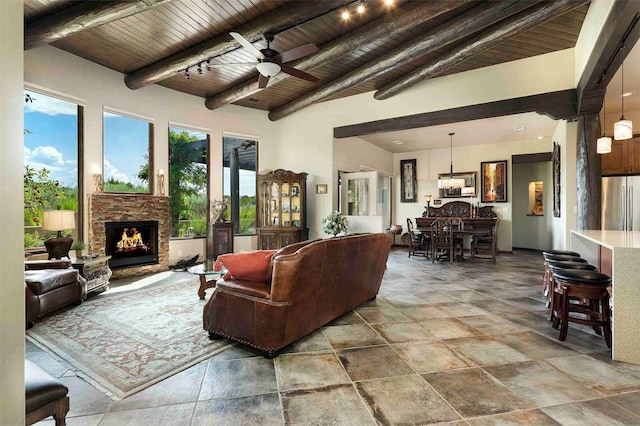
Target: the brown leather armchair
(49, 285)
(312, 283)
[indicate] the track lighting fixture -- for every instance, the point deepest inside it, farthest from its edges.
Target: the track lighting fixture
(200, 68)
(346, 15)
(361, 7)
(208, 68)
(186, 74)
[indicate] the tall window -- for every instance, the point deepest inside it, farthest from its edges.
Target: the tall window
(240, 157)
(51, 140)
(127, 150)
(188, 177)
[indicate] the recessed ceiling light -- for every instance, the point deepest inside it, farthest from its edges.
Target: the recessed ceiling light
(388, 2)
(345, 15)
(398, 142)
(519, 128)
(540, 137)
(627, 94)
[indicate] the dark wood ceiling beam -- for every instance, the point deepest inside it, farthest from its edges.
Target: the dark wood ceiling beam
(80, 17)
(559, 105)
(503, 31)
(278, 20)
(622, 27)
(383, 27)
(461, 26)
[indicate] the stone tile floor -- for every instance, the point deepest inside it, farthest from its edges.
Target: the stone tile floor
(462, 344)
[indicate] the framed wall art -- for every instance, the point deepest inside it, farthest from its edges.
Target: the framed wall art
(494, 181)
(408, 181)
(555, 165)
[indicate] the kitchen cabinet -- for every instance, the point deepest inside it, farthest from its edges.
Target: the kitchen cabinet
(623, 159)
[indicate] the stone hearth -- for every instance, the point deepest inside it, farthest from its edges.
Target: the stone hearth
(129, 207)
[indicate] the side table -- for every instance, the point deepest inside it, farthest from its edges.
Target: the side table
(203, 273)
(95, 270)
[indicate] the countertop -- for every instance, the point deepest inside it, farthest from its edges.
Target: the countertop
(611, 239)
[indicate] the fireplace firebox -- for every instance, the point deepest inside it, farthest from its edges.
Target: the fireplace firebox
(131, 243)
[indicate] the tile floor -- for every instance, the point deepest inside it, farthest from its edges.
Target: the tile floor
(462, 344)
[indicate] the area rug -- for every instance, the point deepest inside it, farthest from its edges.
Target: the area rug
(125, 342)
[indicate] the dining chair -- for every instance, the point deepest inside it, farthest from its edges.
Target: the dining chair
(486, 243)
(417, 241)
(442, 239)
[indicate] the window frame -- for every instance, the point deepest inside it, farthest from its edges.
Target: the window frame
(150, 151)
(207, 133)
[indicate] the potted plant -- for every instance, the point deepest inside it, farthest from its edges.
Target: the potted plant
(335, 223)
(78, 246)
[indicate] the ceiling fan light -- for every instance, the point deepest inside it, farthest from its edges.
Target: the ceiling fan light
(623, 129)
(268, 69)
(603, 145)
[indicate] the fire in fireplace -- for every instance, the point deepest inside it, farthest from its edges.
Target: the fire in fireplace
(131, 243)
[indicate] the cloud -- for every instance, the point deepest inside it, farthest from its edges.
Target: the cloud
(110, 171)
(44, 157)
(48, 105)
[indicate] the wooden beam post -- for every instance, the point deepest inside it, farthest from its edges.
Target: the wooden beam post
(278, 20)
(387, 25)
(80, 17)
(588, 173)
(492, 37)
(461, 26)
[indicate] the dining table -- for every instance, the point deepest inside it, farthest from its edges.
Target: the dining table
(471, 227)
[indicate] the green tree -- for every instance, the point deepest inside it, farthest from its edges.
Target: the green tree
(40, 192)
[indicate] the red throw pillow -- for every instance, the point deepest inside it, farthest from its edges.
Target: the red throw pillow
(250, 265)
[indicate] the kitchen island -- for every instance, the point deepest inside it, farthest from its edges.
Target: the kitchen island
(617, 253)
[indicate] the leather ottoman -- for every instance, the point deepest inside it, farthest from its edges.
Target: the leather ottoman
(44, 395)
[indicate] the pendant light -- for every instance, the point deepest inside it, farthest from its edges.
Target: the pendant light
(622, 129)
(603, 144)
(451, 168)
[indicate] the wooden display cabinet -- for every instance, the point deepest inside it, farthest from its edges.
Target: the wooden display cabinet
(624, 158)
(282, 212)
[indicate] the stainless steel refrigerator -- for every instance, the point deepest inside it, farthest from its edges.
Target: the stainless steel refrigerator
(621, 203)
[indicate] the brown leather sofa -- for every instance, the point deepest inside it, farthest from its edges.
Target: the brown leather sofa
(49, 285)
(312, 283)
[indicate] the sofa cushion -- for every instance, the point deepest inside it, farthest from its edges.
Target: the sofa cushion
(250, 288)
(44, 280)
(250, 265)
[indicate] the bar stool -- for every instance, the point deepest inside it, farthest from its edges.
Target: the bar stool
(588, 291)
(557, 265)
(550, 255)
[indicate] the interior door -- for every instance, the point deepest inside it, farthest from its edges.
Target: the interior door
(359, 193)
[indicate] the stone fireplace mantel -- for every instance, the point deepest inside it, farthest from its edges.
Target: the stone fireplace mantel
(116, 207)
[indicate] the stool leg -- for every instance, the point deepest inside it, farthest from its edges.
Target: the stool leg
(606, 314)
(61, 410)
(594, 306)
(564, 317)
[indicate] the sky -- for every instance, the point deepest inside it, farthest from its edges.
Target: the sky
(53, 144)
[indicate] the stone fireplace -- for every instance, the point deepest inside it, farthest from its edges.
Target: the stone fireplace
(138, 224)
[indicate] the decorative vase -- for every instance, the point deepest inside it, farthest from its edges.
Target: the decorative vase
(219, 207)
(78, 254)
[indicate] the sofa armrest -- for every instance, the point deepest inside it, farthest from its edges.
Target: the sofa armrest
(250, 288)
(47, 264)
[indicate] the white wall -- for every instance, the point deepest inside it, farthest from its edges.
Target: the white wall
(96, 86)
(532, 232)
(402, 211)
(591, 27)
(12, 315)
(566, 135)
(312, 127)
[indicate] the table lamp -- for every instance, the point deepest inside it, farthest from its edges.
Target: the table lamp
(58, 220)
(427, 198)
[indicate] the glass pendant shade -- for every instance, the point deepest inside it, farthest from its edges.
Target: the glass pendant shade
(623, 129)
(603, 145)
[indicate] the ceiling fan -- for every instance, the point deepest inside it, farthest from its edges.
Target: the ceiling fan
(271, 62)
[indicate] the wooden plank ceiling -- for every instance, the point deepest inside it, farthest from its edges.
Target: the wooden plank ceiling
(128, 44)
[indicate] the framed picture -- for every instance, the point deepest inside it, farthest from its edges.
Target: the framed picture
(321, 188)
(494, 181)
(408, 181)
(295, 191)
(555, 165)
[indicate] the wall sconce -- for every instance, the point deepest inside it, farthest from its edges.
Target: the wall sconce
(161, 182)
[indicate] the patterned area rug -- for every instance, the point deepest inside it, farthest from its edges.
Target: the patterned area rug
(124, 341)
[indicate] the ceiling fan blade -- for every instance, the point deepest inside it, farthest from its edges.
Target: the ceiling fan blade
(298, 52)
(247, 45)
(262, 81)
(298, 73)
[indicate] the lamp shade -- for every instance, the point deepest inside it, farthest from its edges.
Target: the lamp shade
(603, 145)
(58, 220)
(623, 129)
(427, 198)
(268, 69)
